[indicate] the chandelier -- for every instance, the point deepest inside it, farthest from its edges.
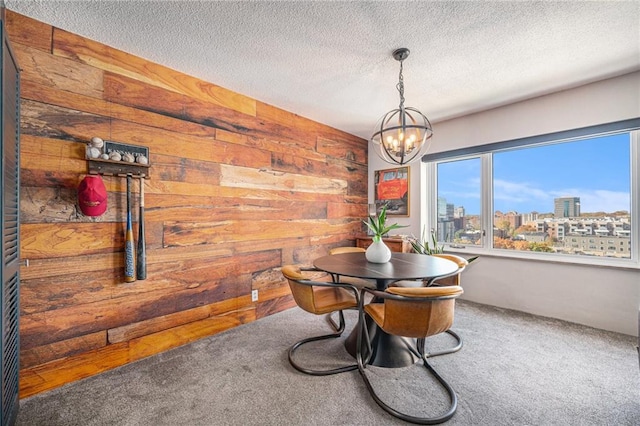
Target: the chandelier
(401, 134)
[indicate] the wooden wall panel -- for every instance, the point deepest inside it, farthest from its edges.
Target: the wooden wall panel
(247, 177)
(278, 145)
(237, 188)
(47, 95)
(46, 240)
(56, 122)
(289, 119)
(83, 50)
(166, 102)
(61, 349)
(29, 32)
(59, 73)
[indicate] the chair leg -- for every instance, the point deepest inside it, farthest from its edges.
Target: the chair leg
(453, 406)
(450, 350)
(362, 329)
(339, 328)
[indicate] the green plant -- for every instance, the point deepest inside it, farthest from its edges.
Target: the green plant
(378, 225)
(423, 246)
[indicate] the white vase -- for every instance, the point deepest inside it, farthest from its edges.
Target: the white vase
(378, 252)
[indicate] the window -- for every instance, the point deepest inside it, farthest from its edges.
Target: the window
(459, 221)
(557, 197)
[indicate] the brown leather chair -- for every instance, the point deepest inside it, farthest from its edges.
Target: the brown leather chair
(320, 298)
(452, 279)
(416, 312)
(339, 250)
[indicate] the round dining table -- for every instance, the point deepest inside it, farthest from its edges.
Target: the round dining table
(402, 266)
(388, 350)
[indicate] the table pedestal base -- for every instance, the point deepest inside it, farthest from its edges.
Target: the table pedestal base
(388, 350)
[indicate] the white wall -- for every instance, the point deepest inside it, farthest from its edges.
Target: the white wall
(606, 298)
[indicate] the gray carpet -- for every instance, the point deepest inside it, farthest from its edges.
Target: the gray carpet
(514, 369)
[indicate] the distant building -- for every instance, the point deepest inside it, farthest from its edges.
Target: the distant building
(470, 237)
(446, 230)
(566, 207)
(541, 225)
(445, 210)
(533, 237)
(442, 208)
(459, 223)
(514, 219)
(599, 245)
(557, 229)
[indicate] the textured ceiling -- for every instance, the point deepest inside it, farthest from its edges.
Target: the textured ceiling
(331, 61)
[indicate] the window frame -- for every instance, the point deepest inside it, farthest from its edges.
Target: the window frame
(485, 153)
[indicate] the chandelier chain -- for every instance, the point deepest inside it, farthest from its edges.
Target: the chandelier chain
(400, 87)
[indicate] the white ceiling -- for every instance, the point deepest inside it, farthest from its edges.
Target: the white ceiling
(331, 61)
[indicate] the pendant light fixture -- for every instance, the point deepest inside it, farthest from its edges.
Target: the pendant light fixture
(401, 135)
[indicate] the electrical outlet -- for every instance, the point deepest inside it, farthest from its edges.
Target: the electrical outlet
(254, 295)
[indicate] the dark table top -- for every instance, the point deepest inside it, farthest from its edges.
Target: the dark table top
(402, 266)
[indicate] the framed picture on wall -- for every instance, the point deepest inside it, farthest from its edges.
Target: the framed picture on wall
(392, 190)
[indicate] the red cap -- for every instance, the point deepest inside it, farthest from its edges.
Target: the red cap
(92, 196)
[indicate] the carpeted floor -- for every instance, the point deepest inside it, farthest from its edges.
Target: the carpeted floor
(514, 369)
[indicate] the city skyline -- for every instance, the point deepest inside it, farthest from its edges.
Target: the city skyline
(596, 170)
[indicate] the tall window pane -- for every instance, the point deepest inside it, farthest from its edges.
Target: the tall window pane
(458, 212)
(570, 198)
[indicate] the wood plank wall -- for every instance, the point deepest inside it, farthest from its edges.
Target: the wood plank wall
(238, 188)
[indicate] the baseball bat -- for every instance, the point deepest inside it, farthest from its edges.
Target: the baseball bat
(141, 260)
(129, 256)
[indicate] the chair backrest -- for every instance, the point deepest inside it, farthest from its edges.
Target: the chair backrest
(453, 279)
(418, 311)
(339, 250)
(302, 294)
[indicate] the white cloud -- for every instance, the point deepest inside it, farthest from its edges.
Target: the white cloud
(462, 190)
(520, 192)
(525, 197)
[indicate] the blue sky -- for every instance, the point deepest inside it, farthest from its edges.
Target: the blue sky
(525, 180)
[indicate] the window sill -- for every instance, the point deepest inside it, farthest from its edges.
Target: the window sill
(595, 261)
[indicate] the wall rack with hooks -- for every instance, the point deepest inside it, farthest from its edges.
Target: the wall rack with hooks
(118, 168)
